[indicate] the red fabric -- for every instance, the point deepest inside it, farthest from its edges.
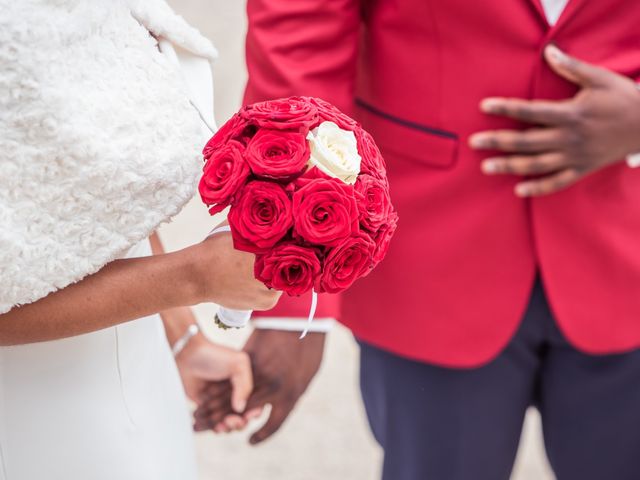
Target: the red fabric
(459, 272)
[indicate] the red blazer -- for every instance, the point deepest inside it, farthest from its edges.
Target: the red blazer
(460, 270)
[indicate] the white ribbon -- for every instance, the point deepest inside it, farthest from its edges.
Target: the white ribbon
(312, 313)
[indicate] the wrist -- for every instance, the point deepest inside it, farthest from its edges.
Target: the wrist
(188, 354)
(195, 276)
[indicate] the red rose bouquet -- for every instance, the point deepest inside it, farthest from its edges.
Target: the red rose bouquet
(308, 192)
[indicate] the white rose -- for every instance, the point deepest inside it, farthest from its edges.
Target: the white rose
(335, 152)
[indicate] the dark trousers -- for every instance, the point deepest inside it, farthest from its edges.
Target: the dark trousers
(438, 423)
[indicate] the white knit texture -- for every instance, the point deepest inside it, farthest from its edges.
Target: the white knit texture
(98, 141)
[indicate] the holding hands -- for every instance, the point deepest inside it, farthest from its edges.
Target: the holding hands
(232, 387)
(283, 366)
(569, 139)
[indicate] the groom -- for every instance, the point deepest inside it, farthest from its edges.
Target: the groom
(514, 278)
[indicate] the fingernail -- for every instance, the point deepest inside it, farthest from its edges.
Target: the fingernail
(522, 190)
(489, 104)
(240, 406)
(478, 141)
(489, 167)
(556, 54)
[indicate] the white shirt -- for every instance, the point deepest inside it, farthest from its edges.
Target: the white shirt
(553, 9)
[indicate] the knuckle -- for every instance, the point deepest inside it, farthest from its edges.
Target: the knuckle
(520, 143)
(523, 112)
(545, 164)
(547, 112)
(539, 189)
(574, 139)
(518, 166)
(501, 109)
(505, 167)
(493, 142)
(578, 114)
(533, 166)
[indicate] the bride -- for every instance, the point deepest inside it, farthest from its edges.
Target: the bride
(102, 106)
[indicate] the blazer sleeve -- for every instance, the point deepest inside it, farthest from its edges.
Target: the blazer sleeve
(303, 48)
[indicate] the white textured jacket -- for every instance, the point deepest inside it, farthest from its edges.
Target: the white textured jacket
(98, 140)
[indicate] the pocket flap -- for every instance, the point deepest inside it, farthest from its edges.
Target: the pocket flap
(420, 143)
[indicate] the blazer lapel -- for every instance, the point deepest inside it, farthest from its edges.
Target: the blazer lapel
(537, 5)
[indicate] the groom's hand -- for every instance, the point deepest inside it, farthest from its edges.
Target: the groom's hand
(570, 138)
(283, 367)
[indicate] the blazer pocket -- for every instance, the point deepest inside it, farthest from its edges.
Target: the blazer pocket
(416, 142)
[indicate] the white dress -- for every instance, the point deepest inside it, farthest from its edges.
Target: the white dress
(102, 406)
(101, 140)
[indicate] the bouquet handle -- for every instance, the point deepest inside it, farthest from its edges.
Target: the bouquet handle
(230, 318)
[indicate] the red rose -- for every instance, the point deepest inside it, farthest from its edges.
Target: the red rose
(331, 113)
(372, 161)
(277, 153)
(260, 217)
(294, 113)
(225, 133)
(288, 267)
(312, 174)
(383, 237)
(325, 211)
(224, 173)
(346, 263)
(374, 204)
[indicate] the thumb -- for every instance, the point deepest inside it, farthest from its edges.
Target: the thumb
(241, 382)
(276, 418)
(574, 70)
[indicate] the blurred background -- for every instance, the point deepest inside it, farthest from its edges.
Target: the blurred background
(327, 436)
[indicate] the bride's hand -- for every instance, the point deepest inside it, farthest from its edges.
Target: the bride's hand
(227, 278)
(202, 362)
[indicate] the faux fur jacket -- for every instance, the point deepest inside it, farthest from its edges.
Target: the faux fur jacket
(99, 143)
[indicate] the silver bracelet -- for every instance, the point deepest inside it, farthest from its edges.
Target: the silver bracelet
(182, 342)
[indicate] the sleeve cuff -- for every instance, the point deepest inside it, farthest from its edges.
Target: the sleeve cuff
(294, 324)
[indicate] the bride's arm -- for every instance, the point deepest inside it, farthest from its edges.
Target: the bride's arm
(132, 288)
